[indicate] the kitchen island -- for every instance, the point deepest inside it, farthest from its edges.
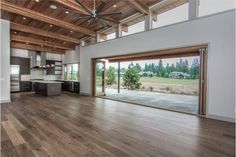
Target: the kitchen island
(48, 88)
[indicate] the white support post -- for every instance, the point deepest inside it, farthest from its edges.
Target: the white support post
(97, 37)
(82, 42)
(119, 31)
(148, 22)
(193, 10)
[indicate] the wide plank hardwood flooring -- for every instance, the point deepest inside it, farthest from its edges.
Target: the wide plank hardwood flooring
(77, 126)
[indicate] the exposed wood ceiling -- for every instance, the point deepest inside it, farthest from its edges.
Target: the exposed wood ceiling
(36, 24)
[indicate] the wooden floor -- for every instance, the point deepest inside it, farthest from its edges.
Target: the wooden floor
(72, 126)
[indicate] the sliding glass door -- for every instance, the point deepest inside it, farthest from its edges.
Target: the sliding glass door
(100, 77)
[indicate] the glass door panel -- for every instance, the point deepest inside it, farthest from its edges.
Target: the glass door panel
(100, 78)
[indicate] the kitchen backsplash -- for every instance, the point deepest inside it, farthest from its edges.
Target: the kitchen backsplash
(41, 74)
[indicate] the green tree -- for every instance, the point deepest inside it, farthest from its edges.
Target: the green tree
(131, 79)
(160, 69)
(172, 68)
(122, 70)
(146, 67)
(194, 69)
(110, 75)
(99, 70)
(182, 66)
(131, 65)
(137, 67)
(167, 70)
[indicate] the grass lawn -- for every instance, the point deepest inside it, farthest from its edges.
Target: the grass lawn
(169, 80)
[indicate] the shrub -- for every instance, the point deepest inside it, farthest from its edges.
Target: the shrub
(131, 79)
(110, 76)
(151, 88)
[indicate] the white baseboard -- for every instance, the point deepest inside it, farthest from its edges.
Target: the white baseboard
(227, 119)
(5, 101)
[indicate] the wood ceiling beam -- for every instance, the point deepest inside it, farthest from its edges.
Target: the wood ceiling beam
(36, 48)
(166, 5)
(13, 8)
(72, 5)
(38, 42)
(40, 32)
(140, 6)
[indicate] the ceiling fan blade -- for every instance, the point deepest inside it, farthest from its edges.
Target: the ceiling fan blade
(100, 7)
(86, 8)
(113, 21)
(90, 21)
(85, 20)
(101, 22)
(110, 14)
(82, 17)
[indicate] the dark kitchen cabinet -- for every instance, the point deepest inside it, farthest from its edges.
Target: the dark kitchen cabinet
(76, 87)
(65, 85)
(23, 62)
(25, 86)
(50, 70)
(71, 86)
(54, 67)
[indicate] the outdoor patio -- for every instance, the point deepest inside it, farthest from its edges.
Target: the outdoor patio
(184, 103)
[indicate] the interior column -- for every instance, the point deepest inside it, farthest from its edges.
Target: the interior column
(193, 11)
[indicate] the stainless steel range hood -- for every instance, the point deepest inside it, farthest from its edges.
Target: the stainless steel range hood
(38, 59)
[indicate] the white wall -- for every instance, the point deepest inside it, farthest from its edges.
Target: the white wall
(19, 53)
(53, 56)
(217, 30)
(71, 56)
(5, 61)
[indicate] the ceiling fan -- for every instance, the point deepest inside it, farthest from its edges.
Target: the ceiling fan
(96, 15)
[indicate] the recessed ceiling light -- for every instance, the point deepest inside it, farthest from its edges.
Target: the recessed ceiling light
(36, 0)
(114, 5)
(24, 18)
(53, 6)
(71, 31)
(15, 32)
(67, 12)
(50, 25)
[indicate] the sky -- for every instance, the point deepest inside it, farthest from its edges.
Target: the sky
(155, 61)
(178, 14)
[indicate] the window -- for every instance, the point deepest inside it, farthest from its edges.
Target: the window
(71, 72)
(175, 15)
(138, 27)
(111, 36)
(213, 6)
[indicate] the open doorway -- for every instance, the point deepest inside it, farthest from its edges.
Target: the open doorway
(172, 81)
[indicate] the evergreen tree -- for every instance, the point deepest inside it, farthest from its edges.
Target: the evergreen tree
(161, 70)
(194, 69)
(145, 67)
(172, 68)
(138, 67)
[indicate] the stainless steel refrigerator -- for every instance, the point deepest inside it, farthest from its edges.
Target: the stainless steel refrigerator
(15, 78)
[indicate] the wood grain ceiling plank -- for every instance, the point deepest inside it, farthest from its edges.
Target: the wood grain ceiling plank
(40, 32)
(36, 48)
(39, 42)
(9, 7)
(140, 6)
(72, 5)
